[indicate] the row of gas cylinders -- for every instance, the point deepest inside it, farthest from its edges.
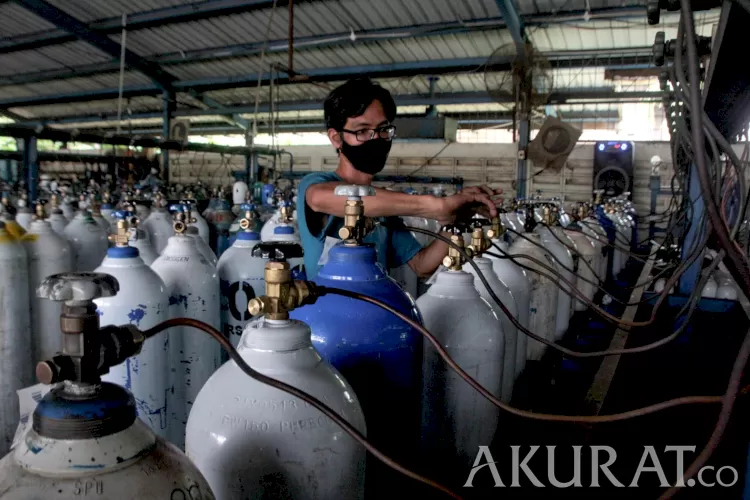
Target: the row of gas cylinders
(185, 277)
(719, 285)
(370, 367)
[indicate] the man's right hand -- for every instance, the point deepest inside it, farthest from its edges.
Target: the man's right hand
(449, 205)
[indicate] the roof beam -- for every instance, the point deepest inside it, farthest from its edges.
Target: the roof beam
(509, 12)
(583, 94)
(394, 70)
(310, 42)
(150, 19)
(65, 21)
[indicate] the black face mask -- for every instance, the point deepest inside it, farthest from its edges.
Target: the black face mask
(369, 157)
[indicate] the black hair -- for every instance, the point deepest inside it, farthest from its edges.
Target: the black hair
(352, 99)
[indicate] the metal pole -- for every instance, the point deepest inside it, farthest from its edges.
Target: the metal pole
(432, 110)
(524, 134)
(166, 125)
(31, 167)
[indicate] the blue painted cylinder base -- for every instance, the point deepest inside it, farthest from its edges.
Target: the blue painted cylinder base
(377, 353)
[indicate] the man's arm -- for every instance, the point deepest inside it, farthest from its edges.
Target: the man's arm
(429, 258)
(321, 198)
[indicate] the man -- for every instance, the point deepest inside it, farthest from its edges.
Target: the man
(359, 116)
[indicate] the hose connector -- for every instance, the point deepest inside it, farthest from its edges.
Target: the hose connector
(282, 293)
(455, 259)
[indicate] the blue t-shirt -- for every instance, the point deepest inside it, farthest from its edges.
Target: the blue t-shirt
(394, 245)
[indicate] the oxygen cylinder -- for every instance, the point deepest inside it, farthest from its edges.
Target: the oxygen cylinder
(85, 439)
(142, 209)
(67, 209)
(296, 452)
(99, 218)
(12, 227)
(158, 225)
(141, 301)
(564, 264)
(543, 299)
(281, 219)
(239, 193)
(241, 277)
(106, 210)
(193, 289)
(516, 279)
(57, 220)
(138, 238)
(193, 232)
(88, 240)
(15, 333)
(727, 290)
(588, 261)
(222, 220)
(24, 216)
(710, 289)
(510, 332)
(48, 254)
(455, 422)
(380, 355)
(202, 226)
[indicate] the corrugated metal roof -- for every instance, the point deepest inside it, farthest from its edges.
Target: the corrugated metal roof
(93, 10)
(48, 58)
(73, 85)
(15, 20)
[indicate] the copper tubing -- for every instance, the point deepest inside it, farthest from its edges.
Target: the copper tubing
(593, 419)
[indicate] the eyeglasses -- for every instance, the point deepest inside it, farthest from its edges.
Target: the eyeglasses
(387, 132)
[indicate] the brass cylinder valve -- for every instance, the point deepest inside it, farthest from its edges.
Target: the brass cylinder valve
(356, 226)
(455, 260)
(182, 217)
(479, 244)
(547, 216)
(39, 211)
(282, 293)
(497, 230)
(285, 211)
(247, 223)
(125, 221)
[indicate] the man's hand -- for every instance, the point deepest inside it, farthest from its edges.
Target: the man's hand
(476, 199)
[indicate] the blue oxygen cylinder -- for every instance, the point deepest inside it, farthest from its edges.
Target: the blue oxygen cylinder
(377, 353)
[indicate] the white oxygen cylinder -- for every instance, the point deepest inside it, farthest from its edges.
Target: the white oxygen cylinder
(543, 299)
(594, 230)
(267, 230)
(48, 254)
(67, 209)
(58, 221)
(158, 225)
(88, 240)
(710, 289)
(203, 248)
(16, 363)
(510, 332)
(138, 238)
(24, 216)
(564, 264)
(516, 279)
(587, 265)
(193, 289)
(202, 226)
(455, 422)
(727, 290)
(241, 279)
(141, 301)
(253, 441)
(239, 192)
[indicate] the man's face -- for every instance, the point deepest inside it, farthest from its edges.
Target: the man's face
(372, 118)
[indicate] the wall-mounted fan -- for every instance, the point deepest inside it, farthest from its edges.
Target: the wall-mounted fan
(552, 145)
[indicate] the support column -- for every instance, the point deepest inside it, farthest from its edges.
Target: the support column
(432, 109)
(168, 109)
(524, 135)
(31, 167)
